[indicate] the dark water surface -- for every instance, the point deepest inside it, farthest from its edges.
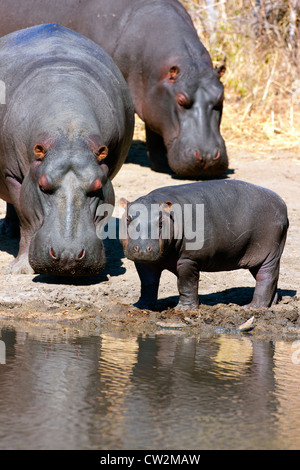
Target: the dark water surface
(166, 391)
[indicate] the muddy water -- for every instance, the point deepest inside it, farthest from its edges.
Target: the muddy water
(113, 390)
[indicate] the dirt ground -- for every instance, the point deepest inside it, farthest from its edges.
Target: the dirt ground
(106, 300)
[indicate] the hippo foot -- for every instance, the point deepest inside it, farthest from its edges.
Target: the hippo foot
(20, 265)
(142, 304)
(179, 307)
(261, 304)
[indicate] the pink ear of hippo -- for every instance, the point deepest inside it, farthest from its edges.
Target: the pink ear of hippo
(167, 205)
(123, 202)
(39, 151)
(101, 152)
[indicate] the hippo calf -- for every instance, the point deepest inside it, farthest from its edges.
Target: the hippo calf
(65, 129)
(175, 89)
(209, 226)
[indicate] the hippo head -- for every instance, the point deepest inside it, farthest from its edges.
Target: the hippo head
(146, 230)
(188, 116)
(61, 196)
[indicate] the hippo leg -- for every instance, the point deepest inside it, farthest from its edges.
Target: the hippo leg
(149, 276)
(20, 265)
(188, 279)
(266, 276)
(157, 152)
(265, 292)
(10, 226)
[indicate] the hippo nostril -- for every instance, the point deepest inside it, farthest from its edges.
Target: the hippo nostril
(149, 248)
(217, 155)
(53, 254)
(81, 254)
(199, 156)
(136, 248)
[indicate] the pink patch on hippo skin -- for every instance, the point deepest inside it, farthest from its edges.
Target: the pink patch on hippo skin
(53, 254)
(105, 168)
(199, 156)
(44, 183)
(183, 100)
(96, 185)
(94, 142)
(217, 155)
(81, 254)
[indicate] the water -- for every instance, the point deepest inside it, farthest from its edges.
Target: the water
(167, 391)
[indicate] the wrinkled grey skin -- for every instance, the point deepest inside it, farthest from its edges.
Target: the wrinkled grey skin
(245, 226)
(174, 87)
(67, 105)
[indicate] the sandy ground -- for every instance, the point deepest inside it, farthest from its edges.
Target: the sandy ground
(107, 299)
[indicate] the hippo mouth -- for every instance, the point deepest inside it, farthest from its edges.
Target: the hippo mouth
(67, 268)
(189, 161)
(139, 254)
(66, 260)
(207, 163)
(193, 163)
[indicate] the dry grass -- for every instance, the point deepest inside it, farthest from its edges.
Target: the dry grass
(262, 82)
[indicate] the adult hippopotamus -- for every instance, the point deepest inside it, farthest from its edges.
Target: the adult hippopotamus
(209, 226)
(173, 84)
(65, 130)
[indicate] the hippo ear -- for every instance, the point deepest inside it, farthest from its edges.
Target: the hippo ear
(167, 205)
(173, 73)
(220, 70)
(101, 152)
(123, 202)
(39, 151)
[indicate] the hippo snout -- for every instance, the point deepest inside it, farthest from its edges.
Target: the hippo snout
(194, 160)
(146, 252)
(58, 256)
(67, 260)
(62, 257)
(204, 158)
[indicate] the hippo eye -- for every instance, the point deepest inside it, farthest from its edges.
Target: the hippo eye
(183, 100)
(45, 185)
(128, 219)
(95, 186)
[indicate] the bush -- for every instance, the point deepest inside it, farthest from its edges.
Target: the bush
(259, 41)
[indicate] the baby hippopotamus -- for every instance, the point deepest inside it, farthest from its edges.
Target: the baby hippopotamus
(207, 226)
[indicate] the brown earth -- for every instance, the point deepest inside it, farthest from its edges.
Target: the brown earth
(106, 300)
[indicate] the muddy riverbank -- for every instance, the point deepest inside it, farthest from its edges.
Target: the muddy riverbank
(108, 299)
